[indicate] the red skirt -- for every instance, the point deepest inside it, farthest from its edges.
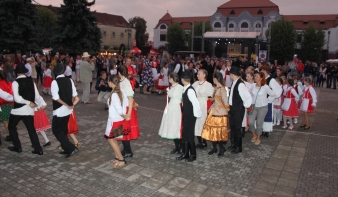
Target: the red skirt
(41, 121)
(72, 124)
(47, 82)
(293, 110)
(133, 125)
(161, 87)
(126, 129)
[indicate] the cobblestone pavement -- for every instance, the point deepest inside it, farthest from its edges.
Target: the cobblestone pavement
(288, 163)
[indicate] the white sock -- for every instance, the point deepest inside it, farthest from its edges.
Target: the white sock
(44, 136)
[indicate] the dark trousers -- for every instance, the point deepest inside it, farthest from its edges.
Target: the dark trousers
(328, 81)
(188, 129)
(29, 123)
(334, 82)
(60, 131)
(236, 119)
(39, 76)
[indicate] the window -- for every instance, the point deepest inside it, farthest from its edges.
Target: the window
(244, 25)
(322, 22)
(258, 25)
(122, 36)
(217, 25)
(299, 38)
(305, 22)
(113, 35)
(104, 34)
(163, 27)
(232, 12)
(260, 11)
(231, 26)
(163, 37)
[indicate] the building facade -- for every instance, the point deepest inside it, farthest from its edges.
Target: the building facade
(253, 16)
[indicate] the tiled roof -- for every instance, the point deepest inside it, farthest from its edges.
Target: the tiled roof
(167, 16)
(165, 19)
(302, 21)
(247, 3)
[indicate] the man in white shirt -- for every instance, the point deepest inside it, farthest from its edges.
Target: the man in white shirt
(191, 110)
(239, 100)
(26, 98)
(179, 68)
(64, 97)
(29, 67)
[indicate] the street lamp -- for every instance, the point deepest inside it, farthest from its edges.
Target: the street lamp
(129, 32)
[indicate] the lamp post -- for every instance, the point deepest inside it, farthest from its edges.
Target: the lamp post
(128, 31)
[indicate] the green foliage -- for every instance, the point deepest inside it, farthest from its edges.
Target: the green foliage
(77, 30)
(283, 40)
(198, 41)
(17, 25)
(175, 38)
(140, 26)
(116, 48)
(46, 26)
(312, 43)
(106, 47)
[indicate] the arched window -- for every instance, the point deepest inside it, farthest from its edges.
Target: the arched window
(260, 11)
(258, 25)
(217, 25)
(244, 25)
(231, 25)
(163, 26)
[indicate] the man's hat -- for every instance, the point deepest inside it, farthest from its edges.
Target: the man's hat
(186, 75)
(235, 70)
(59, 69)
(21, 69)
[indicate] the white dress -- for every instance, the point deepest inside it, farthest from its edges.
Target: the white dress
(203, 91)
(171, 121)
(164, 82)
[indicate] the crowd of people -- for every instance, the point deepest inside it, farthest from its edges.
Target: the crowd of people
(214, 99)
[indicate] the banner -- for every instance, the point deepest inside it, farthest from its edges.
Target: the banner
(235, 48)
(262, 55)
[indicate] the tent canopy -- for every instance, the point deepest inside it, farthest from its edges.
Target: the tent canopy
(153, 52)
(135, 50)
(217, 35)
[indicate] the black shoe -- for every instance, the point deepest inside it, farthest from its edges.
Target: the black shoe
(63, 153)
(236, 150)
(212, 151)
(8, 138)
(183, 156)
(37, 152)
(221, 153)
(72, 153)
(267, 134)
(12, 148)
(200, 146)
(263, 134)
(191, 158)
(180, 151)
(123, 152)
(125, 155)
(47, 144)
(175, 150)
(232, 146)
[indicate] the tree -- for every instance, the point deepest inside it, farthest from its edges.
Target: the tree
(17, 25)
(77, 30)
(198, 41)
(312, 43)
(283, 40)
(175, 38)
(140, 25)
(46, 26)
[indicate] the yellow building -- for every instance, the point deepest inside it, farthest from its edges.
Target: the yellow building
(115, 31)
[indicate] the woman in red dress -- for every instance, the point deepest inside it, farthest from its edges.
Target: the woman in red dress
(290, 107)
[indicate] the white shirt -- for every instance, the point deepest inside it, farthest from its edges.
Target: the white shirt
(260, 95)
(25, 110)
(78, 64)
(68, 71)
(29, 67)
(313, 94)
(113, 71)
(193, 99)
(115, 107)
(178, 67)
(48, 72)
(243, 93)
(63, 110)
(293, 91)
(6, 96)
(276, 88)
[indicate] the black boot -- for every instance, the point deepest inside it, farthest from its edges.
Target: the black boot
(200, 143)
(221, 149)
(243, 131)
(233, 144)
(204, 143)
(192, 149)
(127, 149)
(184, 155)
(238, 149)
(177, 146)
(267, 134)
(214, 148)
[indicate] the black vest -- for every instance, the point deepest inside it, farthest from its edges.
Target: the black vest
(268, 83)
(187, 107)
(180, 70)
(237, 102)
(188, 118)
(26, 91)
(65, 92)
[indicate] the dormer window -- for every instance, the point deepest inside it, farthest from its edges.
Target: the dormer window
(163, 27)
(260, 11)
(322, 22)
(232, 12)
(217, 25)
(305, 22)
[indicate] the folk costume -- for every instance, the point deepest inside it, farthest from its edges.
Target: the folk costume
(47, 82)
(203, 91)
(226, 76)
(191, 110)
(309, 100)
(290, 107)
(171, 125)
(24, 93)
(41, 121)
(216, 125)
(277, 112)
(6, 103)
(63, 90)
(239, 100)
(163, 81)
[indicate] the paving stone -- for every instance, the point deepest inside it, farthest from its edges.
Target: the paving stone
(193, 186)
(185, 193)
(163, 177)
(284, 191)
(214, 192)
(260, 193)
(153, 184)
(264, 186)
(287, 183)
(170, 189)
(290, 176)
(179, 182)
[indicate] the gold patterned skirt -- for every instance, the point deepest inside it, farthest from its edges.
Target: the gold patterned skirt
(215, 128)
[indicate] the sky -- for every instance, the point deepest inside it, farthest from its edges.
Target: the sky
(153, 10)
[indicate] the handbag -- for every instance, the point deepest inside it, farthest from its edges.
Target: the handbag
(253, 105)
(118, 131)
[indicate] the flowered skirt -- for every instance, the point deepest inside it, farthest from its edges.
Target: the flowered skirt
(5, 112)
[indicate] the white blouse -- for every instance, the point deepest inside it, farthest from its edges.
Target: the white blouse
(48, 73)
(260, 95)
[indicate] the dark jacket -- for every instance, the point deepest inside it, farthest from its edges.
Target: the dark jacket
(103, 88)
